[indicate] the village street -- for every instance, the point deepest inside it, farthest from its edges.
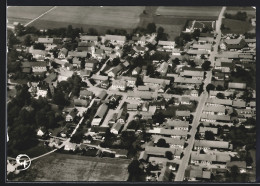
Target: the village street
(203, 98)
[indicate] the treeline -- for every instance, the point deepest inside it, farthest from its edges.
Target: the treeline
(242, 16)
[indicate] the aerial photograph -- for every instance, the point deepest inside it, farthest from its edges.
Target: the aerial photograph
(131, 94)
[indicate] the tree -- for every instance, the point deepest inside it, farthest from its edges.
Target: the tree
(220, 88)
(39, 46)
(209, 135)
(210, 87)
(92, 32)
(234, 170)
(195, 34)
(151, 28)
(11, 38)
(206, 65)
(59, 98)
(169, 155)
(162, 143)
(19, 30)
(161, 35)
(220, 95)
(77, 137)
(176, 61)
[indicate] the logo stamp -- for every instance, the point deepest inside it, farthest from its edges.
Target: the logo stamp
(23, 160)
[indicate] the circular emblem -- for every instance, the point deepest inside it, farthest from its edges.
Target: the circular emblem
(23, 160)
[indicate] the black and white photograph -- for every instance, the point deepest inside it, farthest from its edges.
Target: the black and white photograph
(131, 94)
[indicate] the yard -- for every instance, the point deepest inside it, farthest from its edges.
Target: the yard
(66, 167)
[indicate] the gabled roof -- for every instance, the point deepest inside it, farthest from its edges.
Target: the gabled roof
(220, 108)
(187, 80)
(45, 40)
(117, 126)
(161, 151)
(176, 123)
(239, 103)
(127, 78)
(101, 94)
(115, 37)
(166, 43)
(80, 102)
(147, 79)
(205, 46)
(197, 52)
(169, 140)
(143, 88)
(213, 144)
(219, 101)
(132, 106)
(86, 93)
(237, 85)
(192, 73)
(215, 117)
(88, 38)
(99, 77)
(77, 54)
(102, 109)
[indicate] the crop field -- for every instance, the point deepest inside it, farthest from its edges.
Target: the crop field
(189, 11)
(107, 17)
(66, 167)
(24, 14)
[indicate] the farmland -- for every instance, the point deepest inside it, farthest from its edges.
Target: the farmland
(236, 26)
(172, 19)
(66, 167)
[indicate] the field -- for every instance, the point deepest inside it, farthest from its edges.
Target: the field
(205, 12)
(66, 167)
(101, 18)
(248, 9)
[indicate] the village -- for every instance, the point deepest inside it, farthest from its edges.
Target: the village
(181, 111)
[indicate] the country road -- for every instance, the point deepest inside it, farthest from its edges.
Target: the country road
(203, 98)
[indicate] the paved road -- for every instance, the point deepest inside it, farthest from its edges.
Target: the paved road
(202, 101)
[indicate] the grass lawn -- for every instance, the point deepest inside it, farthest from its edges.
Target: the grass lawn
(67, 167)
(236, 26)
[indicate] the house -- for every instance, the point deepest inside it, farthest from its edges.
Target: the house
(45, 41)
(85, 94)
(193, 74)
(219, 110)
(38, 54)
(88, 47)
(70, 146)
(42, 89)
(185, 101)
(87, 38)
(232, 85)
(113, 73)
(99, 78)
(208, 159)
(101, 111)
(81, 103)
(214, 118)
(76, 62)
(158, 104)
(39, 66)
(78, 54)
(136, 71)
(64, 74)
(206, 47)
(187, 81)
(120, 153)
(204, 40)
(240, 164)
(91, 64)
(239, 103)
(160, 151)
(145, 106)
(118, 85)
(132, 107)
(202, 130)
(183, 113)
(207, 144)
(216, 102)
(168, 132)
(116, 128)
(70, 116)
(193, 173)
(63, 53)
(105, 84)
(143, 88)
(101, 94)
(193, 52)
(176, 124)
(163, 68)
(144, 95)
(233, 44)
(173, 142)
(166, 44)
(194, 93)
(130, 81)
(154, 81)
(100, 54)
(116, 39)
(122, 116)
(84, 74)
